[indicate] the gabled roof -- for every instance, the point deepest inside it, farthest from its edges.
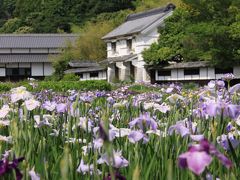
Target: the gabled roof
(83, 64)
(136, 23)
(182, 65)
(84, 70)
(36, 40)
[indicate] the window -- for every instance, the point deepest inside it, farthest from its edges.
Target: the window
(223, 71)
(93, 74)
(18, 72)
(113, 46)
(80, 75)
(129, 44)
(164, 73)
(191, 72)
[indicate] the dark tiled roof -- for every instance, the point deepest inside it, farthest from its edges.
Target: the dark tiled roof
(136, 23)
(82, 64)
(195, 64)
(36, 40)
(83, 70)
(119, 59)
(24, 58)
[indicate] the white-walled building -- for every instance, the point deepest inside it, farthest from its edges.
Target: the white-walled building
(126, 43)
(87, 70)
(29, 55)
(191, 71)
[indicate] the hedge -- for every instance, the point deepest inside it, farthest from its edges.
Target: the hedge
(58, 86)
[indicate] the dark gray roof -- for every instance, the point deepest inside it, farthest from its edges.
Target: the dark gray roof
(24, 58)
(36, 40)
(181, 65)
(119, 59)
(83, 70)
(136, 23)
(82, 64)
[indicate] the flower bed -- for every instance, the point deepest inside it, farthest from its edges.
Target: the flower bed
(168, 133)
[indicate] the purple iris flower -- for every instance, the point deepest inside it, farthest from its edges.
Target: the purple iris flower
(6, 167)
(144, 121)
(225, 140)
(231, 110)
(228, 77)
(234, 89)
(110, 100)
(61, 108)
(182, 127)
(220, 84)
(116, 160)
(135, 136)
(117, 176)
(199, 156)
(50, 106)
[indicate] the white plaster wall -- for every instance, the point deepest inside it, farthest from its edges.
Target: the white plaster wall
(111, 72)
(203, 73)
(109, 49)
(101, 76)
(180, 74)
(211, 73)
(174, 73)
(122, 48)
(37, 69)
(206, 73)
(2, 72)
(48, 69)
(236, 71)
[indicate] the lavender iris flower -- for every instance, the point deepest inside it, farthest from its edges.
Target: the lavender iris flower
(234, 88)
(117, 161)
(228, 77)
(136, 136)
(61, 108)
(225, 140)
(231, 110)
(50, 106)
(183, 128)
(144, 121)
(34, 175)
(199, 156)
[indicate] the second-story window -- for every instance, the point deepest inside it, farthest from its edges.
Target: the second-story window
(129, 44)
(114, 47)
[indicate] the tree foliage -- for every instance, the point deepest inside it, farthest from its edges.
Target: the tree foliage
(52, 16)
(200, 30)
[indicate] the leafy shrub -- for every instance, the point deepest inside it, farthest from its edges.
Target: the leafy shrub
(5, 86)
(191, 85)
(59, 86)
(70, 77)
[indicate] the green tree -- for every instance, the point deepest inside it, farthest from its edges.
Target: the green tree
(60, 63)
(199, 30)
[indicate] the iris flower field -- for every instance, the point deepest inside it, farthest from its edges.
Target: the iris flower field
(168, 133)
